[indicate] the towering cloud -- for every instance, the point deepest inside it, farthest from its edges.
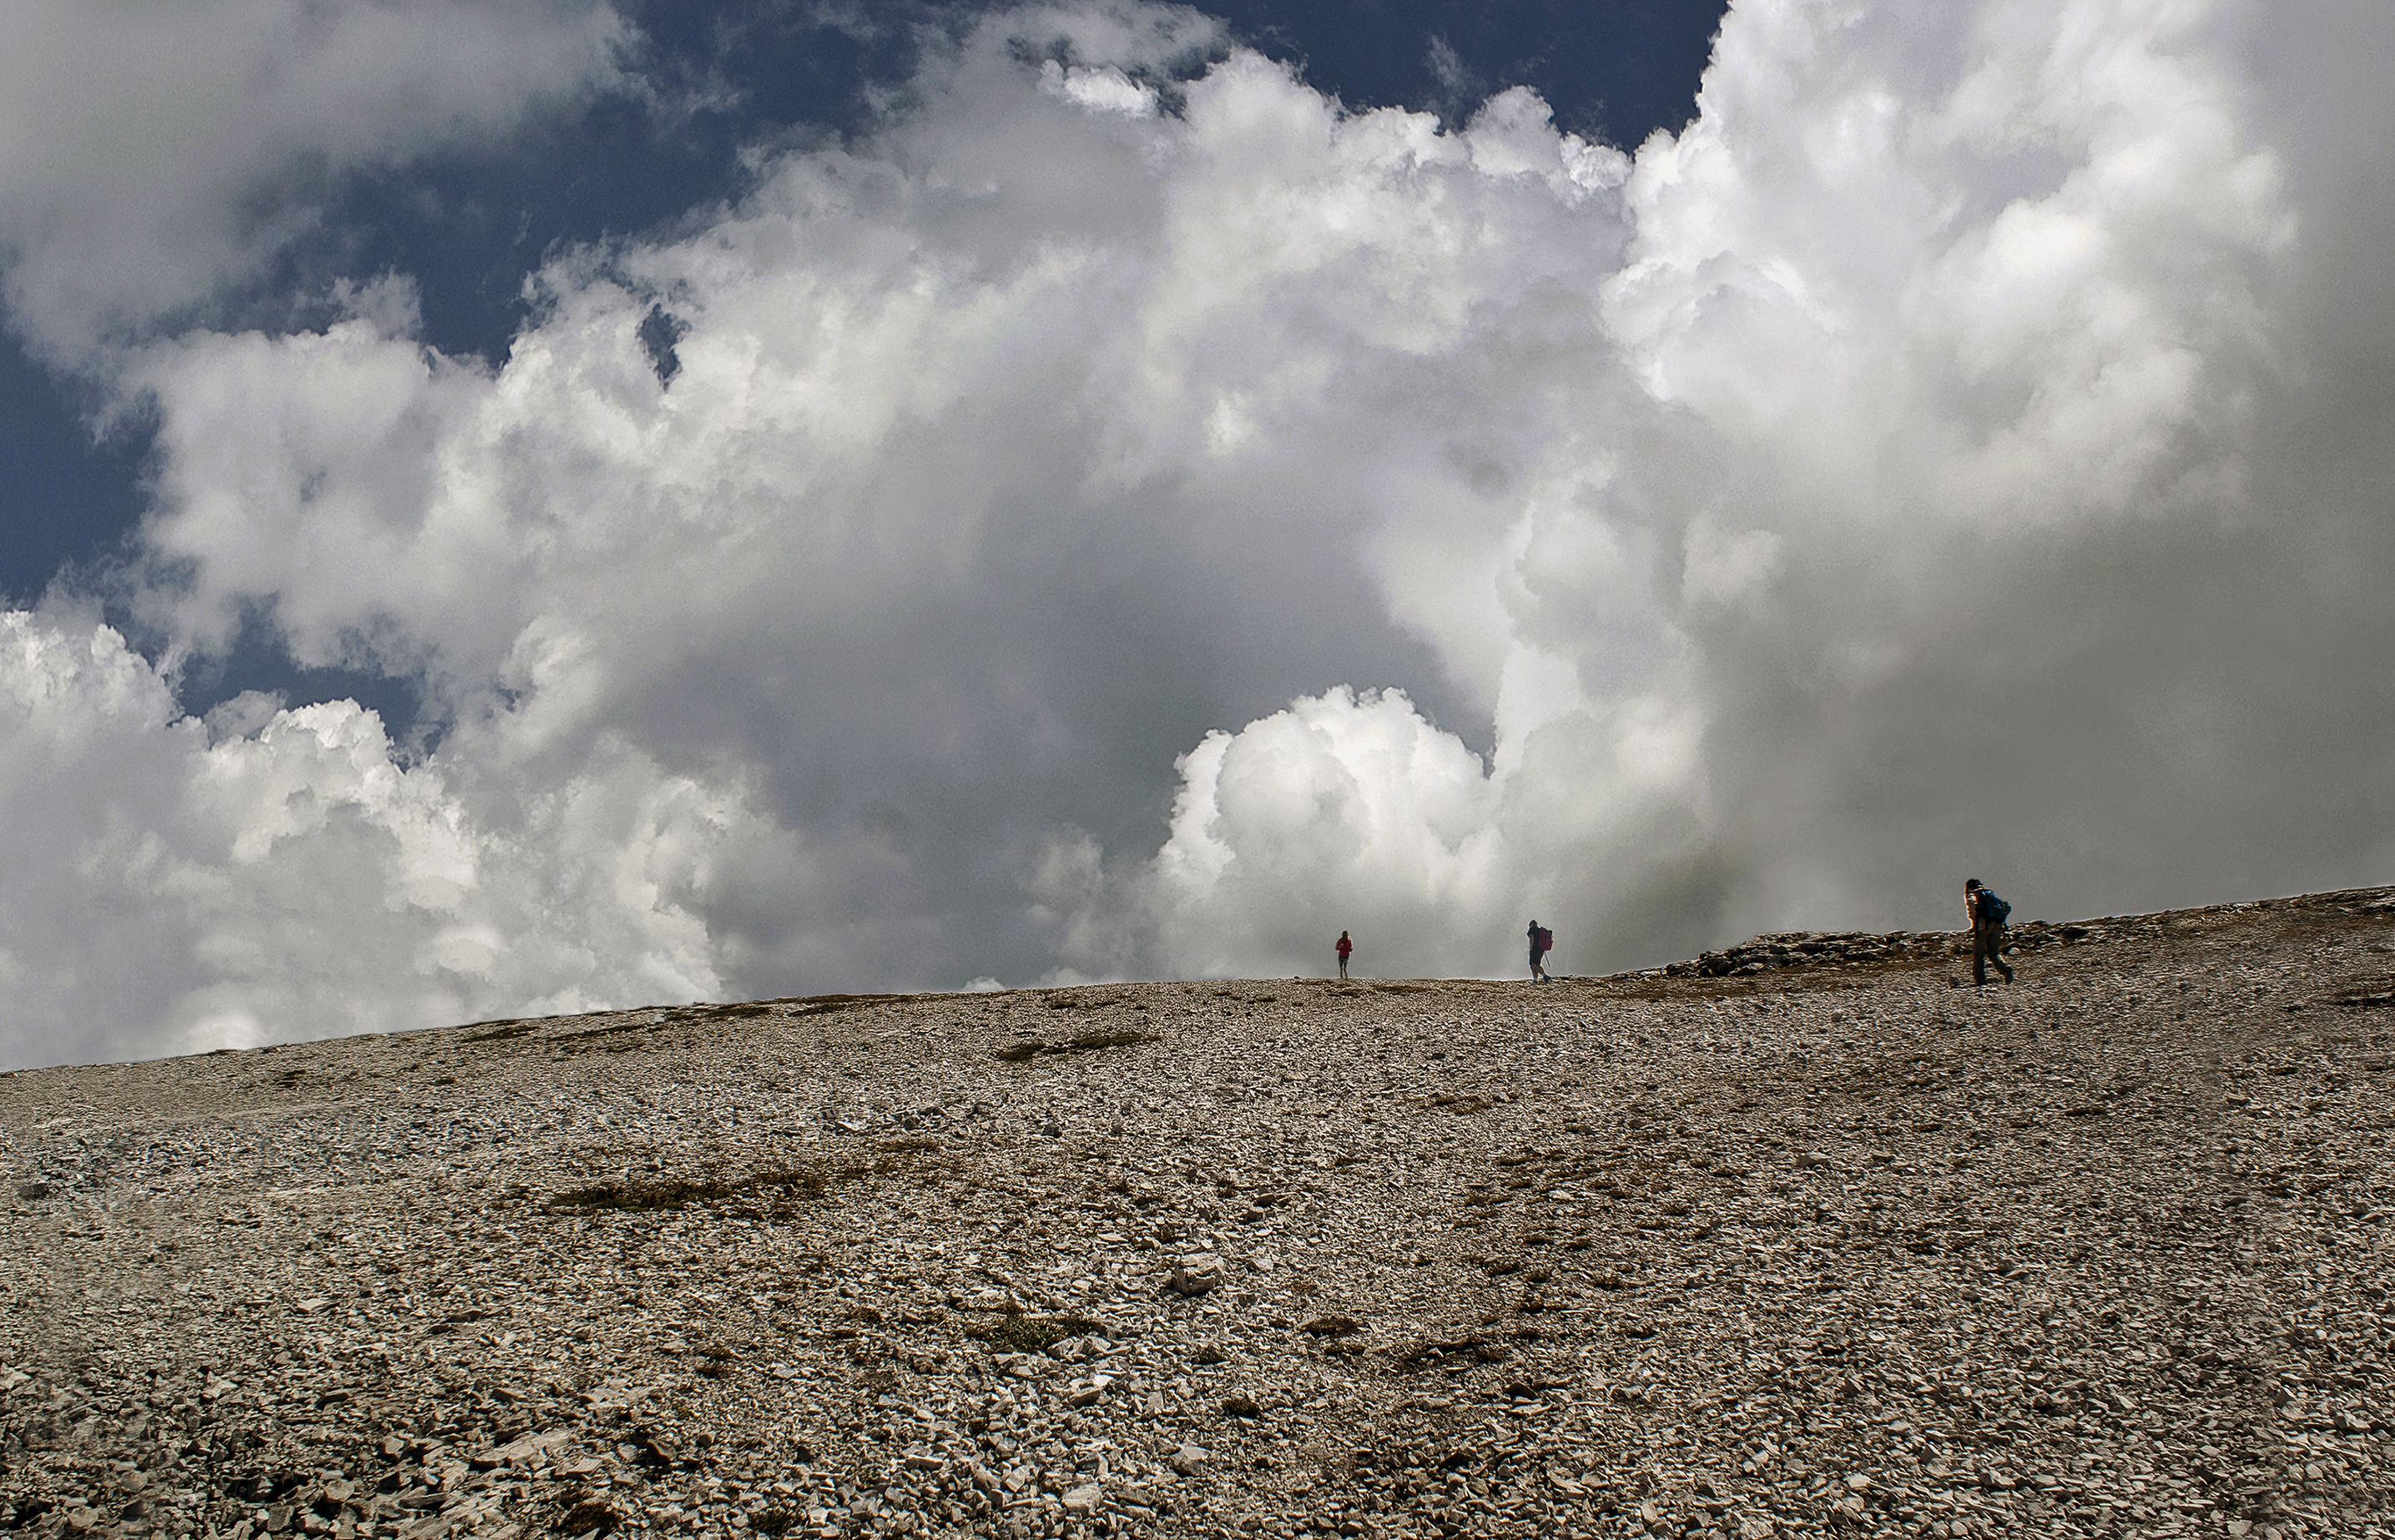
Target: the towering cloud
(1128, 517)
(175, 883)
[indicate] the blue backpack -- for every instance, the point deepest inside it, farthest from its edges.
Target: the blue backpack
(1993, 910)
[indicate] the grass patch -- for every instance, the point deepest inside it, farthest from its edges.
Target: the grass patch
(1081, 999)
(618, 1030)
(1088, 1042)
(2375, 993)
(826, 1007)
(499, 1032)
(1033, 1333)
(587, 1515)
(659, 1193)
(691, 1016)
(792, 1005)
(777, 1191)
(1476, 1347)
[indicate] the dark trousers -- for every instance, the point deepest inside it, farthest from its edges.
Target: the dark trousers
(1988, 946)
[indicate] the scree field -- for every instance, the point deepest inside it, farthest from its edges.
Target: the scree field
(1806, 1237)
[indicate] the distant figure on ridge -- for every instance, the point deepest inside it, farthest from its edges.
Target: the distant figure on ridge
(1542, 940)
(1345, 946)
(1988, 914)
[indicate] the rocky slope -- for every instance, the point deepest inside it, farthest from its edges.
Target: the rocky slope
(1824, 1244)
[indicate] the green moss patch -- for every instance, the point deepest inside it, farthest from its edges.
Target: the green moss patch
(1475, 1347)
(1088, 1042)
(825, 1005)
(654, 1194)
(774, 1193)
(1033, 1333)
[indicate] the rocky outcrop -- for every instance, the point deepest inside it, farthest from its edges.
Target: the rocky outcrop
(1856, 949)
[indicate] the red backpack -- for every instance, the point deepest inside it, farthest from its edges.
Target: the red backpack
(1546, 940)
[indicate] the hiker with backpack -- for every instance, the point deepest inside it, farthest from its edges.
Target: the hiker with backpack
(1345, 946)
(1988, 913)
(1542, 940)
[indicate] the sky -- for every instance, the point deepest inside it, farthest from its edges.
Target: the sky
(511, 508)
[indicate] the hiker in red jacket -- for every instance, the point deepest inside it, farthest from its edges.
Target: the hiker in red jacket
(1345, 946)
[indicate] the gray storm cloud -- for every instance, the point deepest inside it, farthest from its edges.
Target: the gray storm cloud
(1128, 516)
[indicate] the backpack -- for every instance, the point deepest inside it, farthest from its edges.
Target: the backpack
(1546, 940)
(1993, 910)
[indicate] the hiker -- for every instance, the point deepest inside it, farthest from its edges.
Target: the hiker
(1541, 939)
(1988, 913)
(1345, 946)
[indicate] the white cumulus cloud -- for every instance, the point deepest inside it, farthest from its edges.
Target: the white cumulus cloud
(176, 884)
(1128, 516)
(152, 153)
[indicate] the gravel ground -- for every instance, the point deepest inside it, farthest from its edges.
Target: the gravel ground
(1803, 1237)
